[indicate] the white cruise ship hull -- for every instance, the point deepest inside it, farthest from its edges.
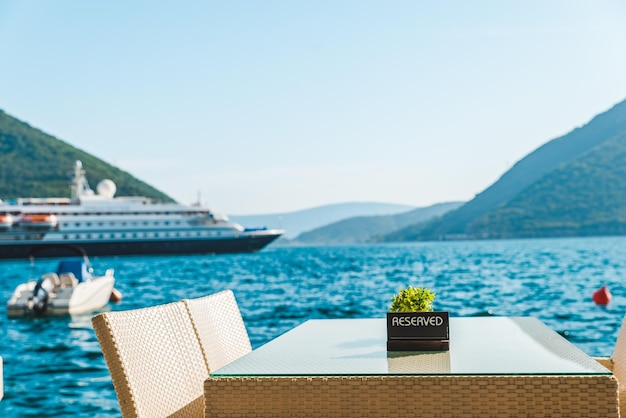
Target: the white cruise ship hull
(245, 242)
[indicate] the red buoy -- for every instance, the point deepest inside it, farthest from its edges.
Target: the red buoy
(116, 295)
(602, 296)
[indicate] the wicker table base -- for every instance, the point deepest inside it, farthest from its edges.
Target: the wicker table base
(413, 396)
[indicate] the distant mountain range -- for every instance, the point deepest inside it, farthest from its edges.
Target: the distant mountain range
(304, 220)
(361, 229)
(574, 185)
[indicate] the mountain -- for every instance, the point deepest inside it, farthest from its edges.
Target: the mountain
(583, 198)
(35, 164)
(572, 185)
(300, 221)
(362, 229)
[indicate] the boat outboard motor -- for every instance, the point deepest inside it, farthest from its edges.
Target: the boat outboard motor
(39, 301)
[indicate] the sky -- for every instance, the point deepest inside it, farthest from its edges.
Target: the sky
(260, 107)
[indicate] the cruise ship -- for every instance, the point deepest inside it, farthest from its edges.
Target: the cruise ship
(105, 225)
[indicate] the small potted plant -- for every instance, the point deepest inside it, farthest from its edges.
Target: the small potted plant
(413, 299)
(413, 325)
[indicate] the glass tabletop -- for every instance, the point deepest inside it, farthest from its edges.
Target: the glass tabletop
(478, 346)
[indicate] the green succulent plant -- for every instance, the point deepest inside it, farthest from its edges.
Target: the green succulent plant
(412, 299)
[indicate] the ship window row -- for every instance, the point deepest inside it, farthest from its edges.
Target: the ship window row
(144, 235)
(129, 213)
(116, 224)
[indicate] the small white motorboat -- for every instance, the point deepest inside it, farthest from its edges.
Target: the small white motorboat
(72, 289)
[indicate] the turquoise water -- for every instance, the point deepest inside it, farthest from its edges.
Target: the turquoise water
(54, 367)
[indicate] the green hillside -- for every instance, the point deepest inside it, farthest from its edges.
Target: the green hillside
(571, 186)
(360, 229)
(35, 164)
(585, 197)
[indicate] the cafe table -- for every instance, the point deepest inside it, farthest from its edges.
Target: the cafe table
(495, 367)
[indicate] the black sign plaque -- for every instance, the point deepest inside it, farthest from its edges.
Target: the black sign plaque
(421, 330)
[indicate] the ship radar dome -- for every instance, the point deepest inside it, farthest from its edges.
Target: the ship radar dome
(106, 188)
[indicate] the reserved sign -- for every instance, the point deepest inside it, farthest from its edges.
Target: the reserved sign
(418, 325)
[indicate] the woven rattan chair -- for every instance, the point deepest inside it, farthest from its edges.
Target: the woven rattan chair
(220, 328)
(617, 363)
(155, 360)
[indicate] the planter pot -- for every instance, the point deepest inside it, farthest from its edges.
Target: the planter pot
(418, 331)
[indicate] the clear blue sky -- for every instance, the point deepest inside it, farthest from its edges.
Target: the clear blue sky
(274, 106)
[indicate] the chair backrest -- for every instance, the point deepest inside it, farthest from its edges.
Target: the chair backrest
(220, 328)
(77, 267)
(53, 278)
(619, 357)
(155, 360)
(68, 280)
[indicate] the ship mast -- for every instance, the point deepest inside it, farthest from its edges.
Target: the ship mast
(79, 186)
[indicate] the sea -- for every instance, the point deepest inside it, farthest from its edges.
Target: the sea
(54, 367)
